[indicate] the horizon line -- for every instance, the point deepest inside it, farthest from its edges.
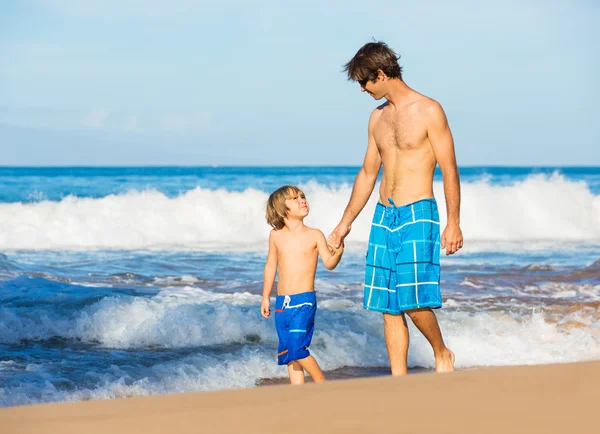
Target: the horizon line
(214, 166)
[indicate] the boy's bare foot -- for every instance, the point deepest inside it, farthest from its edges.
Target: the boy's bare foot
(445, 363)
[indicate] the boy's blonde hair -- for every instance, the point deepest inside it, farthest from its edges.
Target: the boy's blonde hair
(276, 209)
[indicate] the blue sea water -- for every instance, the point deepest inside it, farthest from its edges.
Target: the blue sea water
(138, 281)
(39, 183)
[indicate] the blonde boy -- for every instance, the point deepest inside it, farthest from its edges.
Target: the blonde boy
(293, 253)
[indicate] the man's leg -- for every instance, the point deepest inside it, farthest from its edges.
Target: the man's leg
(426, 321)
(395, 331)
(311, 366)
(296, 373)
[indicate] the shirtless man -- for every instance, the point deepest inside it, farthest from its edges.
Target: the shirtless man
(407, 135)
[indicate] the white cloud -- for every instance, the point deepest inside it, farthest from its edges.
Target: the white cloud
(96, 119)
(197, 121)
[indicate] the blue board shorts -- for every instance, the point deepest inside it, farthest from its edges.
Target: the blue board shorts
(295, 324)
(403, 258)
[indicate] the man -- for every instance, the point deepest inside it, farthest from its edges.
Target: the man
(407, 135)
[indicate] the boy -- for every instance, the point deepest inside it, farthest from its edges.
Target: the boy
(293, 252)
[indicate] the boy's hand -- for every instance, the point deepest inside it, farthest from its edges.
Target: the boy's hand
(265, 309)
(337, 250)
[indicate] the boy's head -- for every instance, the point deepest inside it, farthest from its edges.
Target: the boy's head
(287, 202)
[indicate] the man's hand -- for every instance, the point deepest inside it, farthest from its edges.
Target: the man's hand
(265, 309)
(337, 250)
(452, 239)
(336, 238)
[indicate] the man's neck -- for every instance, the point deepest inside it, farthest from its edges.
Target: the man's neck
(398, 92)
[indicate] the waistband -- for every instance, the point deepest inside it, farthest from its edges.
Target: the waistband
(419, 205)
(295, 300)
(424, 208)
(430, 200)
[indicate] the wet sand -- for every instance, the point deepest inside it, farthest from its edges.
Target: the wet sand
(525, 399)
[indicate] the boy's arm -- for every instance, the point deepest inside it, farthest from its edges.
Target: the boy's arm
(330, 260)
(269, 277)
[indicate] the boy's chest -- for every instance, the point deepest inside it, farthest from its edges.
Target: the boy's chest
(297, 250)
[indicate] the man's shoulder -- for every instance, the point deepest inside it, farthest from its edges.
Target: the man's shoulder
(432, 111)
(426, 104)
(377, 112)
(379, 109)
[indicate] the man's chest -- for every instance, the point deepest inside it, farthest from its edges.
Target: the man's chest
(402, 130)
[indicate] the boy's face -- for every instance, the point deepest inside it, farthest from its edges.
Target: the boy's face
(297, 206)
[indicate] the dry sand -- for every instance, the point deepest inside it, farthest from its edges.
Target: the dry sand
(530, 399)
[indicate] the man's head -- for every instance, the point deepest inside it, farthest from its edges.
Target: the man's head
(287, 202)
(372, 66)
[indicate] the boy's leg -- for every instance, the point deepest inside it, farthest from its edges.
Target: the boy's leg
(296, 373)
(426, 321)
(310, 365)
(396, 335)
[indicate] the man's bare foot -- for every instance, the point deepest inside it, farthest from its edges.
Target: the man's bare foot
(445, 363)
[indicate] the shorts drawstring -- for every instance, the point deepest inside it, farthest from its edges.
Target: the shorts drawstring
(396, 212)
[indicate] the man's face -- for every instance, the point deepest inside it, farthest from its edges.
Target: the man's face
(297, 206)
(372, 88)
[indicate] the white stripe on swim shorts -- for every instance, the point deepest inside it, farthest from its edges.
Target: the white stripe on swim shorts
(372, 277)
(412, 208)
(406, 224)
(288, 299)
(387, 289)
(299, 305)
(416, 276)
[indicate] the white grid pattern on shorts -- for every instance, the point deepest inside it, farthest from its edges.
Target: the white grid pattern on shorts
(416, 283)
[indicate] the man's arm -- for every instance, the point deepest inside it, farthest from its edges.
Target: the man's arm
(442, 144)
(362, 189)
(269, 277)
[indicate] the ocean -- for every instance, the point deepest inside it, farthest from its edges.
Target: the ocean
(139, 281)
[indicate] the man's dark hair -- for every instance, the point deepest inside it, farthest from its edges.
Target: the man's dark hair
(369, 59)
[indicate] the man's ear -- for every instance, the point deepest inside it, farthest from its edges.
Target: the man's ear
(381, 75)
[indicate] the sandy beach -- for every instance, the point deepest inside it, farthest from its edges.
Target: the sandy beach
(528, 399)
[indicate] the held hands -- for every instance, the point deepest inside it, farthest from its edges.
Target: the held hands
(335, 240)
(265, 307)
(452, 239)
(336, 250)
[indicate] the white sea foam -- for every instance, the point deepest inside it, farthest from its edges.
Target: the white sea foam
(192, 319)
(550, 208)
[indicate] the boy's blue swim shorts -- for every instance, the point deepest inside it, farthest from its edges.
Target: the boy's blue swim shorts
(295, 323)
(403, 258)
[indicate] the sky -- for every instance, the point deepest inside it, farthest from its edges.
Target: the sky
(232, 82)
